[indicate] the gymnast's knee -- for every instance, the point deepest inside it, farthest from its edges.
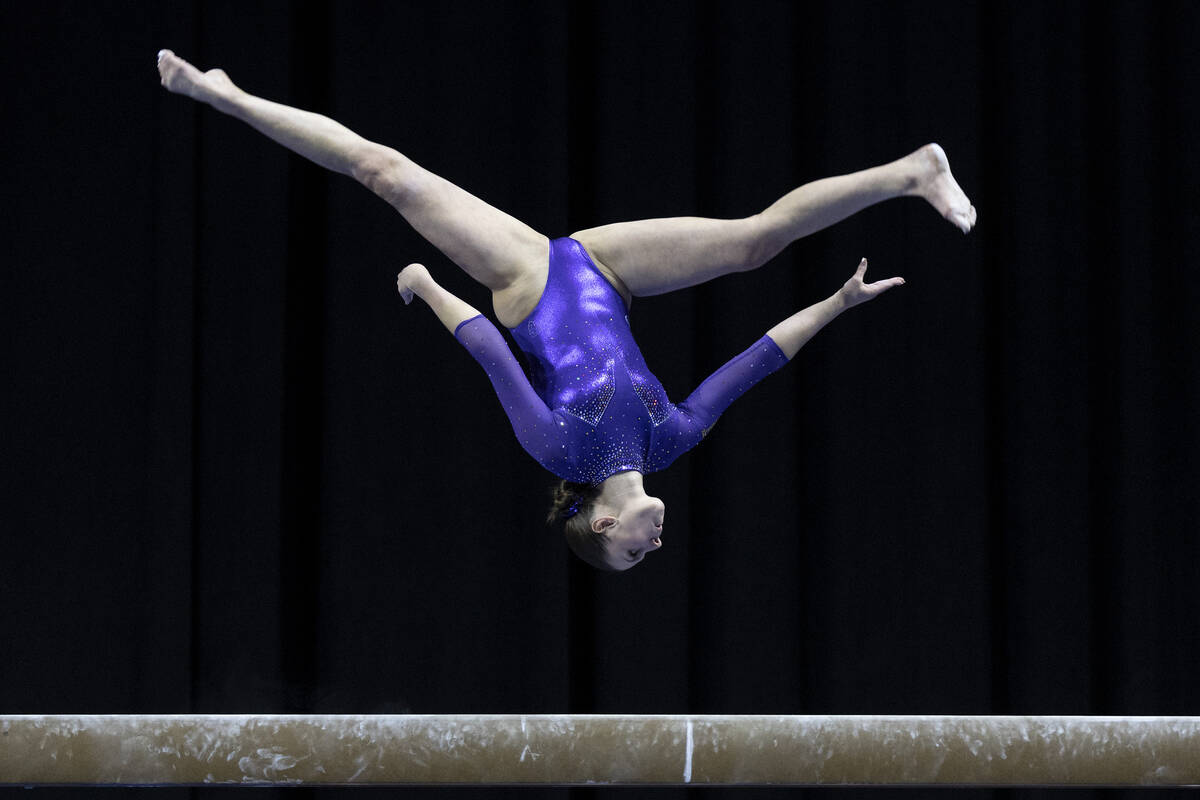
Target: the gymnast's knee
(386, 172)
(760, 242)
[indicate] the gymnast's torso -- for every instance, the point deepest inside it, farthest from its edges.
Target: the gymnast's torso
(590, 407)
(584, 362)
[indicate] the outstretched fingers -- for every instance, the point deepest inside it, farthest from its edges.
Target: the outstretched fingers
(858, 291)
(879, 287)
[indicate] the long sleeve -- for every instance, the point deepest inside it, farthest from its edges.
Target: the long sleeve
(694, 417)
(538, 429)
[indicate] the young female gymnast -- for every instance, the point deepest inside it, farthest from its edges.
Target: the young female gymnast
(592, 414)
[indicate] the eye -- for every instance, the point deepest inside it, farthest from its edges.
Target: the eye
(634, 553)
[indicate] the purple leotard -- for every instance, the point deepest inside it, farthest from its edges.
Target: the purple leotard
(590, 407)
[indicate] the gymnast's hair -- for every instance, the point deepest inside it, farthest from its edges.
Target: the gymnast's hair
(572, 508)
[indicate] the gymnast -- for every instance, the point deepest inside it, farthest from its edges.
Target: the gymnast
(590, 411)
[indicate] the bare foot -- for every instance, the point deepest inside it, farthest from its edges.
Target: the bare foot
(935, 183)
(410, 280)
(181, 77)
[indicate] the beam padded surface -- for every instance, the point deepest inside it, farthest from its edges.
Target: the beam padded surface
(562, 750)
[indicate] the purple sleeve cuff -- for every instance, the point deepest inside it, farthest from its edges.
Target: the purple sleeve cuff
(464, 322)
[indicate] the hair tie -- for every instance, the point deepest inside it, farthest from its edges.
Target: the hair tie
(572, 509)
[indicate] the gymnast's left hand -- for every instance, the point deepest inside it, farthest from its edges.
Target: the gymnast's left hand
(855, 291)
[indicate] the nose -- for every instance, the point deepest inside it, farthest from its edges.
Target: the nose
(657, 542)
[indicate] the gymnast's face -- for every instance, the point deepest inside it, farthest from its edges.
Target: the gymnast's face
(633, 532)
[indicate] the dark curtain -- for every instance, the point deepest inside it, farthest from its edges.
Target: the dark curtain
(241, 476)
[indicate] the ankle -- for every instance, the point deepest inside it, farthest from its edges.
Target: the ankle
(909, 175)
(227, 100)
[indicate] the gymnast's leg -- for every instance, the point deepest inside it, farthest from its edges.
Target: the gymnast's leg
(497, 250)
(660, 255)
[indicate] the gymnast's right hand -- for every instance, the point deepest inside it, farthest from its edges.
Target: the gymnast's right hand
(410, 280)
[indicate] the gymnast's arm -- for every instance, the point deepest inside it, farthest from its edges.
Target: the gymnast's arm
(795, 331)
(451, 311)
(532, 421)
(772, 351)
(682, 431)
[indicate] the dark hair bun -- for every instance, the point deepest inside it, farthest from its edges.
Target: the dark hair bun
(568, 498)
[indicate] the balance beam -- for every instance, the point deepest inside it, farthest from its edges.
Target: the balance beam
(579, 750)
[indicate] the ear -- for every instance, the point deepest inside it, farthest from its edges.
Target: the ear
(603, 523)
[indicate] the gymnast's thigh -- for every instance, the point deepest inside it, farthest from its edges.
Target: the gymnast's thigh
(655, 256)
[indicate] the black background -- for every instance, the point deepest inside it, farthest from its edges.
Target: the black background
(241, 476)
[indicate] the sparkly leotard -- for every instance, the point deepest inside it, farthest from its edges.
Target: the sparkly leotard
(590, 407)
